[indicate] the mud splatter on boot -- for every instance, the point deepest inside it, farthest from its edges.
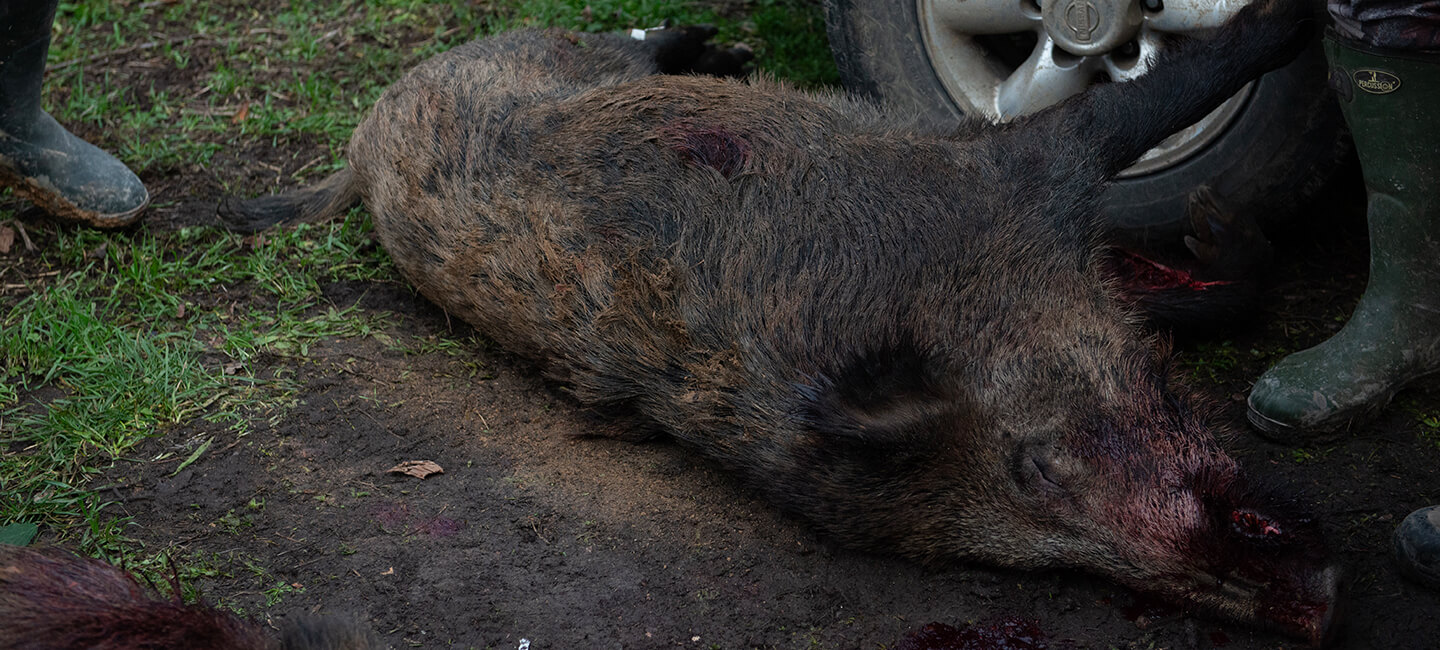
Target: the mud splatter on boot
(67, 177)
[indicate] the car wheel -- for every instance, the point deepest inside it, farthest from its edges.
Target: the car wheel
(1264, 151)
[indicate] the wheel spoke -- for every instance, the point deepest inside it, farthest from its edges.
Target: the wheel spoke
(1183, 16)
(1150, 44)
(982, 16)
(1040, 82)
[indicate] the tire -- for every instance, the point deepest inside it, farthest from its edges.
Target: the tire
(1280, 149)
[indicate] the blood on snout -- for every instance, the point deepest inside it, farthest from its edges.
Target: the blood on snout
(1255, 525)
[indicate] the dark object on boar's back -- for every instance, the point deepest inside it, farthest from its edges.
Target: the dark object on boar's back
(51, 599)
(905, 333)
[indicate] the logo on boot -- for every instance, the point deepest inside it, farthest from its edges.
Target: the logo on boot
(1376, 82)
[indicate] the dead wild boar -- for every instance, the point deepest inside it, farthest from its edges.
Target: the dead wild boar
(51, 599)
(902, 332)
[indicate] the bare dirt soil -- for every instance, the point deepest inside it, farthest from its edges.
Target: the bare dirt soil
(535, 531)
(538, 535)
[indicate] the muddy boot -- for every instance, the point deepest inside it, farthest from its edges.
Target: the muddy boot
(1389, 101)
(1417, 546)
(64, 175)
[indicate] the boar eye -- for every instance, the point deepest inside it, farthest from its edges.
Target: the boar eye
(1047, 473)
(1036, 469)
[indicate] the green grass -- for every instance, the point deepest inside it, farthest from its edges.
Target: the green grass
(262, 66)
(1210, 362)
(1428, 429)
(111, 351)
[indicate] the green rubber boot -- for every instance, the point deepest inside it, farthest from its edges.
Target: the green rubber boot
(1391, 102)
(64, 175)
(1417, 546)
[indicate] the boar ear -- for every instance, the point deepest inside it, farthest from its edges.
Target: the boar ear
(884, 398)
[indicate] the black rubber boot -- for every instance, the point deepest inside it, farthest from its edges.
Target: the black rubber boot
(1417, 546)
(1393, 337)
(64, 175)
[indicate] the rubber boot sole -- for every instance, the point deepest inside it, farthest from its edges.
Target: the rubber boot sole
(1277, 431)
(61, 208)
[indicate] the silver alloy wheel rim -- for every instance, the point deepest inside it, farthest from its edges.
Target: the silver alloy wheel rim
(981, 84)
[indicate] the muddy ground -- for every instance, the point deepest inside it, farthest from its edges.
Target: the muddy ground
(537, 532)
(539, 535)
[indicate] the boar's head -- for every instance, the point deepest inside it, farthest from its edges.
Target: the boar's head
(1072, 445)
(1119, 471)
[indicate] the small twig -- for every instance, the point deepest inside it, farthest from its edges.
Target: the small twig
(147, 45)
(443, 35)
(308, 165)
(25, 236)
(211, 111)
(275, 168)
(309, 561)
(196, 95)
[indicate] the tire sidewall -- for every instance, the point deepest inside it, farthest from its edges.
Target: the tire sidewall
(1278, 151)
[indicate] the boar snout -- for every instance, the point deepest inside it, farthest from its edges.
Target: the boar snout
(1267, 567)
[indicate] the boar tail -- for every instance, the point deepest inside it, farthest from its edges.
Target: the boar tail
(329, 198)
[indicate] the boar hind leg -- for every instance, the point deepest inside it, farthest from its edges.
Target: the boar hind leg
(684, 50)
(1114, 124)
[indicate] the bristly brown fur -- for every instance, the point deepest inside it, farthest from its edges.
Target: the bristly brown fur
(51, 599)
(902, 333)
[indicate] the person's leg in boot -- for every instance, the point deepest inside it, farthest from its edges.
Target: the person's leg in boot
(1386, 61)
(1417, 546)
(64, 175)
(1389, 101)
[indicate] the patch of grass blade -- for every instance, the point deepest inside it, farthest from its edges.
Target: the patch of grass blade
(103, 356)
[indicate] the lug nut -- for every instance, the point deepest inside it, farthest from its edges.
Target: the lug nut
(1153, 5)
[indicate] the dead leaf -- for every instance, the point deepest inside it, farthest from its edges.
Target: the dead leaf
(232, 367)
(417, 468)
(180, 311)
(241, 114)
(7, 239)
